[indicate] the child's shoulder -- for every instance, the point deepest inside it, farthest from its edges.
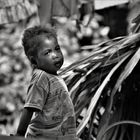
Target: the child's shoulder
(40, 77)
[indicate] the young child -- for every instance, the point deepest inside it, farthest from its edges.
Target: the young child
(48, 111)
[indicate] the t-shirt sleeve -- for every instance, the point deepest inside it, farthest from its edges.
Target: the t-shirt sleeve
(36, 97)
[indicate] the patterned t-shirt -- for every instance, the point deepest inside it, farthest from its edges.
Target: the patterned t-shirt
(49, 94)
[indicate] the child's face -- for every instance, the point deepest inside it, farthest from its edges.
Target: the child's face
(49, 55)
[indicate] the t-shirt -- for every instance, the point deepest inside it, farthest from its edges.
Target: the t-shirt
(49, 94)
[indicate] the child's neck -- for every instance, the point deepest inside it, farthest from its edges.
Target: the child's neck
(50, 72)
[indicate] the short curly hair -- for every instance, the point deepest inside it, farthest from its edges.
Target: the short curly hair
(30, 39)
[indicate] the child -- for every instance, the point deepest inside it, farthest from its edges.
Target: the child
(48, 111)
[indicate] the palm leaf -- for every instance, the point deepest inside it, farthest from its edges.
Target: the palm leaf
(120, 123)
(128, 69)
(97, 96)
(92, 85)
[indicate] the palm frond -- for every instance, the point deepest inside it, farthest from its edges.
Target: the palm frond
(120, 123)
(96, 97)
(94, 80)
(127, 70)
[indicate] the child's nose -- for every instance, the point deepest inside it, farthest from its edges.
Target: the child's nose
(54, 55)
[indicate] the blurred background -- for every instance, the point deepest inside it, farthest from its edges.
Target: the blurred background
(81, 25)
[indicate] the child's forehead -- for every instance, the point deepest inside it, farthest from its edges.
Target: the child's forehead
(47, 43)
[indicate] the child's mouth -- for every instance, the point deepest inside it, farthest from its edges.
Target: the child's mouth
(57, 64)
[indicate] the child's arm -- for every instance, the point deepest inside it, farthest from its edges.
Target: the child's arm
(24, 121)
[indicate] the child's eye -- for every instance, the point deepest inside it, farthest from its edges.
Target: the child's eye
(57, 48)
(47, 52)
